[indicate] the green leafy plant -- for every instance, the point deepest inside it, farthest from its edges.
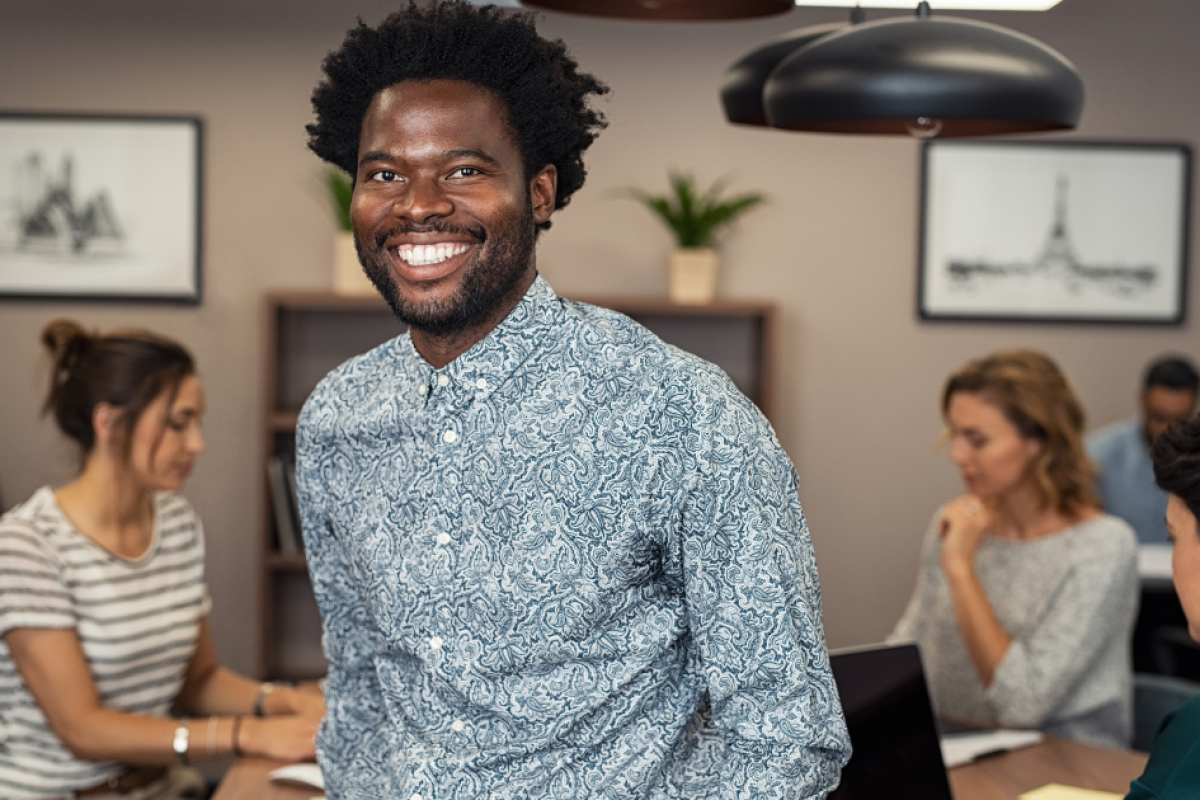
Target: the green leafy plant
(696, 217)
(339, 188)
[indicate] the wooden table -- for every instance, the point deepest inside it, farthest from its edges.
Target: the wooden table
(997, 778)
(1052, 760)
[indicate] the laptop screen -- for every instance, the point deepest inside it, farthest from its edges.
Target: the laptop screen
(892, 730)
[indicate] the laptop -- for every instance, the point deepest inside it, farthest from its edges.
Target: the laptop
(892, 730)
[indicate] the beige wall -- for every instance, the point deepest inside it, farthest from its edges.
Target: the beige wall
(858, 374)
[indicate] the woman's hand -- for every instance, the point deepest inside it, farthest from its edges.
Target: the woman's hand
(305, 701)
(964, 522)
(289, 738)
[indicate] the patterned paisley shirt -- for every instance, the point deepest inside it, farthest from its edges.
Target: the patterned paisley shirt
(572, 563)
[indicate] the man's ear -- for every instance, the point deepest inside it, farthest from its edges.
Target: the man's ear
(542, 191)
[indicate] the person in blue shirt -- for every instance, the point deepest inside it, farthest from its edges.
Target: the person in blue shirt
(1173, 770)
(1122, 450)
(554, 556)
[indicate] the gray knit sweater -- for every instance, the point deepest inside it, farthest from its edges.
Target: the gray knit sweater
(1068, 602)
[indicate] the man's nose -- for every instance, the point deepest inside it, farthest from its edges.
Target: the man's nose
(424, 199)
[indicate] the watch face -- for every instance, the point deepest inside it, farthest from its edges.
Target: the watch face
(180, 744)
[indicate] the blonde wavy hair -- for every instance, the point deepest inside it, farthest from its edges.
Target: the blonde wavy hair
(1034, 395)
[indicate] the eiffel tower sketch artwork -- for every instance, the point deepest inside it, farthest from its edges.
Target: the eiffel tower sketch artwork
(1056, 264)
(53, 220)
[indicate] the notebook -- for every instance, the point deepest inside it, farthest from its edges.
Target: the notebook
(892, 730)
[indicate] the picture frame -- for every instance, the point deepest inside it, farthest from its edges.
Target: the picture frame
(1083, 232)
(100, 207)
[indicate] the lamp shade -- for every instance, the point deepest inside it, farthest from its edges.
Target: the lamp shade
(742, 91)
(667, 9)
(947, 76)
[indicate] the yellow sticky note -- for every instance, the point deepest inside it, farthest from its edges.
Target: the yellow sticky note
(1056, 791)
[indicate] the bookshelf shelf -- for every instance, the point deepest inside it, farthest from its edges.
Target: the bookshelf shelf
(309, 333)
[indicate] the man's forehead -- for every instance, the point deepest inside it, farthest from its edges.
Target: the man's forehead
(1167, 399)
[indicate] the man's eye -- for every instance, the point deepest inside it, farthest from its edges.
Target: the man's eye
(466, 172)
(385, 175)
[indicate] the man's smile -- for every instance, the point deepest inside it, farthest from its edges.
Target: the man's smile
(421, 255)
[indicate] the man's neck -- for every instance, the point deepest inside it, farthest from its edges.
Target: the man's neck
(439, 349)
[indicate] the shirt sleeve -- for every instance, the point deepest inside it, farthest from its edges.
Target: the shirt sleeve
(353, 748)
(1054, 655)
(32, 591)
(754, 610)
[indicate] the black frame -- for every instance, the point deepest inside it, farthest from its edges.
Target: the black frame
(1175, 290)
(174, 267)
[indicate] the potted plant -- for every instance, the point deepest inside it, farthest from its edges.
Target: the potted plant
(695, 218)
(348, 275)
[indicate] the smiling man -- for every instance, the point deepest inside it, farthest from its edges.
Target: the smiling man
(554, 557)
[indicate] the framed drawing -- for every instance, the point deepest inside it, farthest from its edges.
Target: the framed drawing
(100, 207)
(1054, 231)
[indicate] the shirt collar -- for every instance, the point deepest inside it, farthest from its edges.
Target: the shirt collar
(489, 363)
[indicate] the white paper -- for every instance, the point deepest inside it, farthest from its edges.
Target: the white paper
(299, 775)
(963, 748)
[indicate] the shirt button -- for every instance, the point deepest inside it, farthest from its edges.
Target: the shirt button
(436, 643)
(449, 437)
(481, 384)
(443, 380)
(422, 389)
(458, 725)
(443, 538)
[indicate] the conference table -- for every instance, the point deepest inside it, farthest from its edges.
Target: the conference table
(1002, 777)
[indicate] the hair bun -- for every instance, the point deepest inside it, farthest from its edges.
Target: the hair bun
(66, 340)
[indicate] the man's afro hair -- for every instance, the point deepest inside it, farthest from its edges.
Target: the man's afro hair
(536, 79)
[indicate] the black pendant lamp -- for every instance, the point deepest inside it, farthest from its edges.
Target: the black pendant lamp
(742, 91)
(667, 9)
(925, 76)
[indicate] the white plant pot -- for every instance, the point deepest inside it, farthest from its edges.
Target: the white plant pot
(348, 275)
(692, 275)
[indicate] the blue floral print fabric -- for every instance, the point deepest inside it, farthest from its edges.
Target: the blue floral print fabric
(572, 563)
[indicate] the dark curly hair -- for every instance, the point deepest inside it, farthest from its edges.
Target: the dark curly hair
(536, 79)
(1175, 454)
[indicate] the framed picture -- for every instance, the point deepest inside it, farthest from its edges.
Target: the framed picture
(100, 207)
(1054, 231)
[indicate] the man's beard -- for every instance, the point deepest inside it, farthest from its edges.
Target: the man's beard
(485, 287)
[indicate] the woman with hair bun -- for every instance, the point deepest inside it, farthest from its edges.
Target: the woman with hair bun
(103, 605)
(1026, 592)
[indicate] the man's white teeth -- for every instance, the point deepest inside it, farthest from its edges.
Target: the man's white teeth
(420, 255)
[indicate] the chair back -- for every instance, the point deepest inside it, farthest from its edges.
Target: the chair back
(1155, 696)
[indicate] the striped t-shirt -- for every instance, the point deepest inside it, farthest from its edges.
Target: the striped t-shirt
(137, 620)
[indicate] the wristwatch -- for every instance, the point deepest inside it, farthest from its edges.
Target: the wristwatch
(260, 699)
(180, 743)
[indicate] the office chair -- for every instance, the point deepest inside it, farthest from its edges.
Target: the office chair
(1155, 696)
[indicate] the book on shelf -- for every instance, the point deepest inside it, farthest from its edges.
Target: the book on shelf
(281, 474)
